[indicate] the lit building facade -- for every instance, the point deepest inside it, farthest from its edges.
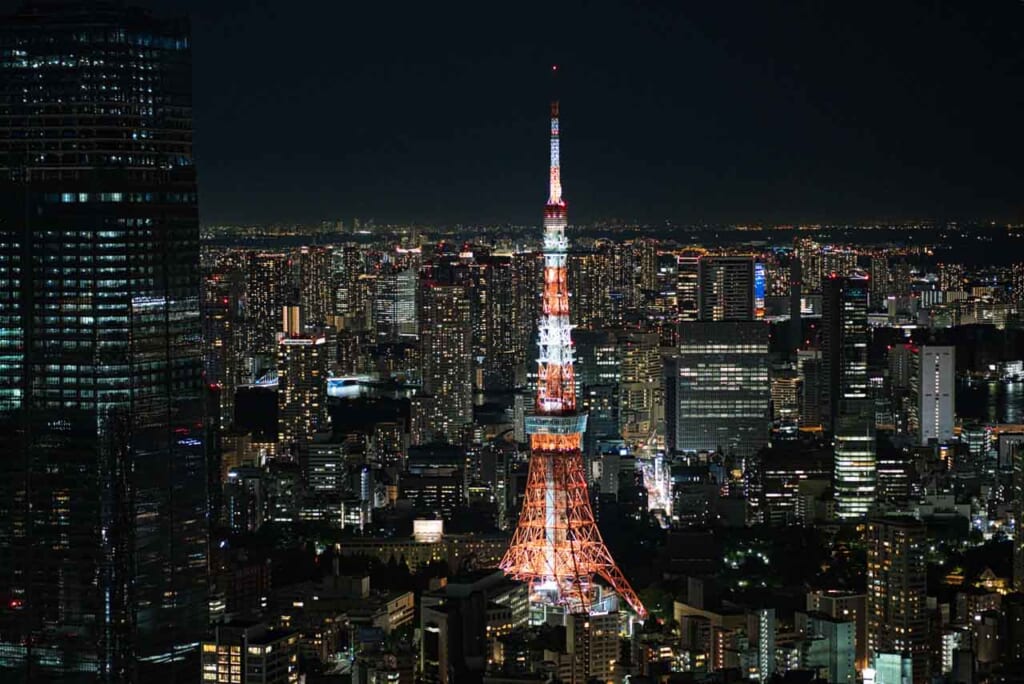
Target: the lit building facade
(726, 288)
(250, 653)
(896, 601)
(936, 388)
(266, 293)
(722, 392)
(446, 344)
(103, 501)
(316, 295)
(847, 404)
(301, 388)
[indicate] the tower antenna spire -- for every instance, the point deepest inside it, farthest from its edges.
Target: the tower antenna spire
(555, 182)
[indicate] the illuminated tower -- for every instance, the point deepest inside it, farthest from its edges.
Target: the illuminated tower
(557, 547)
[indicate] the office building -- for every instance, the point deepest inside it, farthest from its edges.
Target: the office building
(394, 304)
(847, 405)
(250, 653)
(688, 286)
(896, 601)
(101, 392)
(722, 392)
(726, 288)
(936, 391)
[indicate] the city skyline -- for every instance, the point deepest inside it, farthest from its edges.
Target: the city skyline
(354, 449)
(752, 112)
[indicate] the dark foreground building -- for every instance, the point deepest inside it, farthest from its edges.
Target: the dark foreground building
(103, 530)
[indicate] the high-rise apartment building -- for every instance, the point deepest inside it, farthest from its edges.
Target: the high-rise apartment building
(896, 576)
(446, 344)
(590, 280)
(809, 254)
(722, 391)
(936, 390)
(347, 265)
(103, 531)
(302, 362)
(497, 312)
(316, 286)
(527, 269)
(726, 288)
(223, 339)
(267, 290)
(847, 404)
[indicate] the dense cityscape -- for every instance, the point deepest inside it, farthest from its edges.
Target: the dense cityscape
(354, 452)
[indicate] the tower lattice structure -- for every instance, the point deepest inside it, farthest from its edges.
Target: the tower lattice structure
(557, 546)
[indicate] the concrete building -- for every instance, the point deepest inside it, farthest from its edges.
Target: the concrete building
(936, 392)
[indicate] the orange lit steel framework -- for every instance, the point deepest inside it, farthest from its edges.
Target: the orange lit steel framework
(557, 547)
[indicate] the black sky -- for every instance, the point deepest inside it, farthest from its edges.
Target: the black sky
(690, 110)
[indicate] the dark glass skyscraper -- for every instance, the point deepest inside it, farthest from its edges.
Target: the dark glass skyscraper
(847, 405)
(103, 530)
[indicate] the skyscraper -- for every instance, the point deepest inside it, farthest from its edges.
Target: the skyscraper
(446, 343)
(103, 533)
(394, 304)
(897, 575)
(726, 288)
(266, 292)
(315, 285)
(847, 405)
(302, 361)
(722, 391)
(936, 391)
(688, 286)
(496, 295)
(590, 278)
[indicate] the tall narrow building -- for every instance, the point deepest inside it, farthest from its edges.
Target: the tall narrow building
(266, 293)
(302, 361)
(446, 342)
(103, 530)
(936, 392)
(847, 404)
(896, 602)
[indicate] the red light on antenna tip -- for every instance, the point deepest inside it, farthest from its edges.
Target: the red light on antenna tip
(554, 67)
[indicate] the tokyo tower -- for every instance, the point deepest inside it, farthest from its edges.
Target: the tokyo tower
(557, 547)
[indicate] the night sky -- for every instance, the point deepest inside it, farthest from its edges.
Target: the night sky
(690, 111)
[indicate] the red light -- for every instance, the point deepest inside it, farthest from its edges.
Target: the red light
(15, 604)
